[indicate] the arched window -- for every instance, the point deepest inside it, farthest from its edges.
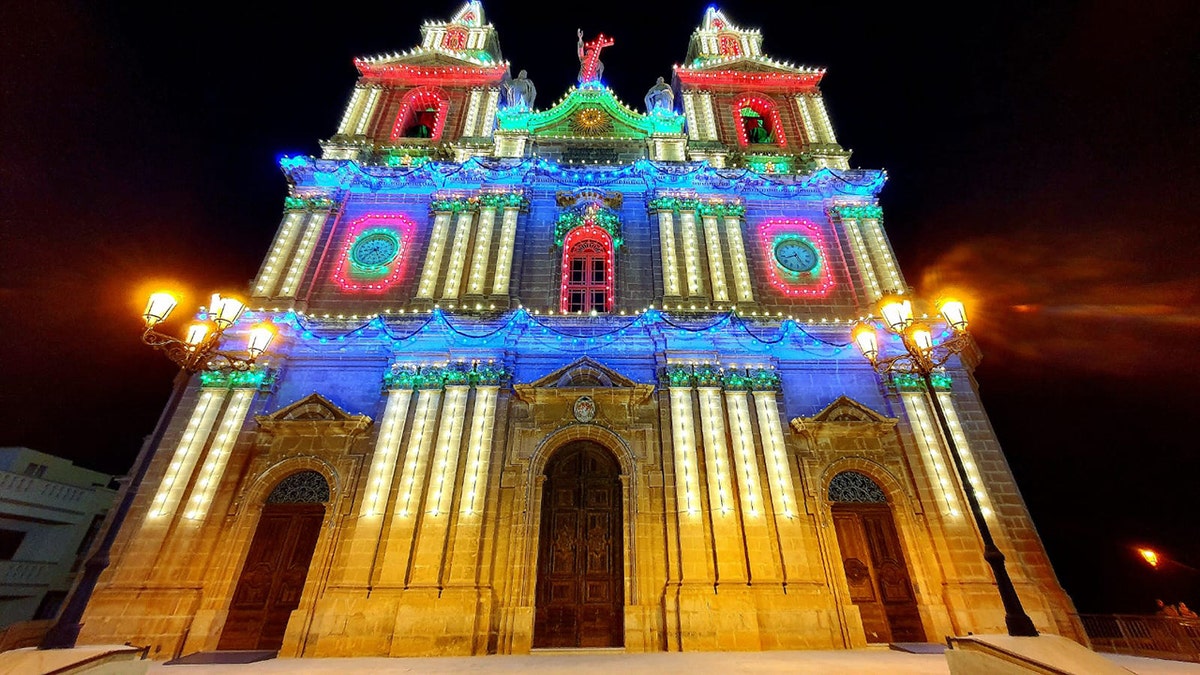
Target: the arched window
(729, 45)
(757, 119)
(587, 270)
(422, 114)
(455, 39)
(852, 487)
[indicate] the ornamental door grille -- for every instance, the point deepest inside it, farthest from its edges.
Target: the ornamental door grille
(874, 565)
(580, 598)
(272, 578)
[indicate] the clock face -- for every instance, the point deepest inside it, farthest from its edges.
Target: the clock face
(796, 255)
(375, 249)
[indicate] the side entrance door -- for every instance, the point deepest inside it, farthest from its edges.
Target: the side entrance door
(273, 576)
(876, 573)
(580, 599)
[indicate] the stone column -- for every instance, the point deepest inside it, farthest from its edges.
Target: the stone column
(430, 546)
(737, 257)
(716, 261)
(285, 239)
(722, 502)
(433, 255)
(670, 261)
(411, 489)
(754, 510)
(458, 255)
(691, 253)
(213, 468)
(792, 537)
(304, 252)
(476, 283)
(183, 461)
(508, 237)
(694, 560)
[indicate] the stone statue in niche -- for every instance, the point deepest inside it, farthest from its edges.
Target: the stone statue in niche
(519, 93)
(660, 97)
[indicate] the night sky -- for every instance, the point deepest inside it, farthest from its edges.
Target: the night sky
(1043, 157)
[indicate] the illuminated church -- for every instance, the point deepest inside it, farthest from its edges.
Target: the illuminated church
(571, 374)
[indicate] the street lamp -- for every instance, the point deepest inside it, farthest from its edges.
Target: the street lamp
(922, 357)
(199, 350)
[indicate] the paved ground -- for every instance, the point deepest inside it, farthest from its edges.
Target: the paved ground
(693, 663)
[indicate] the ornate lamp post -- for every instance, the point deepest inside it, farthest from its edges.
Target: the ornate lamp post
(922, 357)
(199, 350)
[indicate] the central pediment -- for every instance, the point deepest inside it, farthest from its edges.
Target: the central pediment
(584, 376)
(591, 111)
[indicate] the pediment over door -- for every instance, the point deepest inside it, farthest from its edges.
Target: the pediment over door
(845, 417)
(311, 411)
(585, 377)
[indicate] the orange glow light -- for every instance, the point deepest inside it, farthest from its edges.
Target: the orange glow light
(1149, 555)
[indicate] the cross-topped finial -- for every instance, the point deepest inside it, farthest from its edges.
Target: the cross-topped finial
(590, 67)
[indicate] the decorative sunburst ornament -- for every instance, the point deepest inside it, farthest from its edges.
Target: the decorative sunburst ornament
(591, 122)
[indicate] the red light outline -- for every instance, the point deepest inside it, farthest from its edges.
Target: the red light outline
(763, 106)
(404, 227)
(426, 96)
(583, 233)
(818, 287)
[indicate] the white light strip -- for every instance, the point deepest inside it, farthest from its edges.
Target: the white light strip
(218, 454)
(931, 448)
(687, 486)
(810, 129)
(458, 255)
(289, 228)
(368, 111)
(666, 235)
(348, 116)
(433, 255)
(472, 112)
(483, 250)
(866, 268)
(387, 448)
(964, 451)
(709, 120)
(489, 116)
(689, 109)
(716, 456)
(691, 254)
(316, 222)
(737, 254)
(741, 434)
(418, 442)
(716, 262)
(480, 450)
(445, 458)
(816, 104)
(883, 253)
(775, 451)
(508, 236)
(195, 435)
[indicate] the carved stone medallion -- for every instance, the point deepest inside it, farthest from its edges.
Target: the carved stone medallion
(585, 409)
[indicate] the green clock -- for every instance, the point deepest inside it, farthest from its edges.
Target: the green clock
(796, 255)
(374, 249)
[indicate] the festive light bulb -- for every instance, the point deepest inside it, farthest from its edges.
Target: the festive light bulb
(196, 333)
(224, 311)
(897, 312)
(260, 336)
(921, 336)
(954, 313)
(866, 340)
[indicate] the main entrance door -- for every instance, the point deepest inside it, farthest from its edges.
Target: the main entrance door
(872, 560)
(580, 598)
(273, 577)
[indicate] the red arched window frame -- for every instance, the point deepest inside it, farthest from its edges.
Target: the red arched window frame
(588, 272)
(455, 39)
(423, 105)
(766, 109)
(729, 45)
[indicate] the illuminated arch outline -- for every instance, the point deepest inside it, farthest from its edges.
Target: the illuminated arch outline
(766, 109)
(585, 234)
(400, 226)
(429, 97)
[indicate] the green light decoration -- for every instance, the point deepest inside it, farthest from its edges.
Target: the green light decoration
(293, 203)
(436, 377)
(914, 382)
(711, 375)
(705, 207)
(488, 199)
(594, 214)
(405, 160)
(237, 379)
(858, 211)
(566, 117)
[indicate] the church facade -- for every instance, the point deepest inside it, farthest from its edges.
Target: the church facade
(573, 376)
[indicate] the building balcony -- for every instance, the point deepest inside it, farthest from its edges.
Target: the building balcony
(20, 492)
(26, 577)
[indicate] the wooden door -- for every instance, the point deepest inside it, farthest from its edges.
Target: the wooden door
(580, 599)
(273, 576)
(876, 573)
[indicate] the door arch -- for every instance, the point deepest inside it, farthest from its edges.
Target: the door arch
(872, 559)
(580, 599)
(276, 566)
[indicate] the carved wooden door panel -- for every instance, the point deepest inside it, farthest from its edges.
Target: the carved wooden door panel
(273, 577)
(580, 598)
(891, 574)
(876, 573)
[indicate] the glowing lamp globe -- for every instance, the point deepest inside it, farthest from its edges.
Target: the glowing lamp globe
(921, 337)
(224, 311)
(897, 313)
(1149, 555)
(260, 336)
(866, 340)
(954, 313)
(158, 308)
(196, 333)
